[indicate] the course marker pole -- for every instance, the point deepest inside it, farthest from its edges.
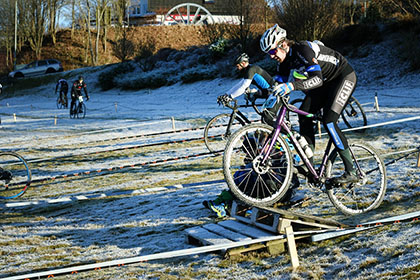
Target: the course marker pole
(376, 102)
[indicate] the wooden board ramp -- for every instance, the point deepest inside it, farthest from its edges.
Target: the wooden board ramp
(232, 231)
(252, 223)
(273, 219)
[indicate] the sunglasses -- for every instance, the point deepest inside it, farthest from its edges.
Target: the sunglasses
(273, 51)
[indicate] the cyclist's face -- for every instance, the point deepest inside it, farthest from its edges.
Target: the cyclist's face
(241, 65)
(279, 53)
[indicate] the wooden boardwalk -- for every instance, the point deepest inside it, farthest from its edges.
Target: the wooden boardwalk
(248, 223)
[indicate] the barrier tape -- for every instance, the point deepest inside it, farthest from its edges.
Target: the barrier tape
(81, 197)
(115, 150)
(119, 168)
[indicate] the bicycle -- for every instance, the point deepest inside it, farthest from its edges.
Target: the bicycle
(257, 152)
(215, 134)
(15, 175)
(353, 114)
(78, 109)
(61, 104)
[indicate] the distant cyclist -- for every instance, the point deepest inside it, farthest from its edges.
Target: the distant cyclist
(251, 74)
(76, 91)
(64, 88)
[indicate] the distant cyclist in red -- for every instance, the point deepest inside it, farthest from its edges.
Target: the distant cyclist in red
(76, 91)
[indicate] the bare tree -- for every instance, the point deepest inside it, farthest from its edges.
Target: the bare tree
(54, 7)
(101, 6)
(308, 19)
(124, 48)
(34, 13)
(249, 13)
(85, 14)
(7, 20)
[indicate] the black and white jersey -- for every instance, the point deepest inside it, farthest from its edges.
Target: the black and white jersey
(319, 63)
(255, 75)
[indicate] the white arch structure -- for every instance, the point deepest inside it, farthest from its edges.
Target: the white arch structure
(191, 16)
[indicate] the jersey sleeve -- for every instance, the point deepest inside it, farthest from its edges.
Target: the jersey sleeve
(259, 77)
(307, 53)
(239, 88)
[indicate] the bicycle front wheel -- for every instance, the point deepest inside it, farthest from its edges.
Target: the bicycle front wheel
(353, 115)
(369, 192)
(15, 175)
(81, 112)
(217, 132)
(73, 110)
(252, 179)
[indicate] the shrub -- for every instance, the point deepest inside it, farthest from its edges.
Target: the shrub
(410, 45)
(351, 37)
(219, 47)
(198, 74)
(154, 79)
(106, 78)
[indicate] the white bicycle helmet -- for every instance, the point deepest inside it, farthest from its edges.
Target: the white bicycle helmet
(272, 37)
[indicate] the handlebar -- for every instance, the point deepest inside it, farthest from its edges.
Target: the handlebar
(234, 106)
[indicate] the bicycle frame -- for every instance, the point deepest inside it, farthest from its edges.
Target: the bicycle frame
(235, 112)
(281, 124)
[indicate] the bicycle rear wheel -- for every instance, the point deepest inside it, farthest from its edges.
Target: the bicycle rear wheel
(15, 176)
(216, 132)
(353, 115)
(60, 103)
(253, 180)
(369, 192)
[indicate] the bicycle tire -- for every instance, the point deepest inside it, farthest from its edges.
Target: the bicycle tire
(73, 107)
(60, 103)
(241, 165)
(216, 134)
(366, 195)
(20, 175)
(81, 112)
(353, 115)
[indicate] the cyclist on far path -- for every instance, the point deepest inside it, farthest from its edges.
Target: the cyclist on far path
(64, 88)
(76, 91)
(328, 84)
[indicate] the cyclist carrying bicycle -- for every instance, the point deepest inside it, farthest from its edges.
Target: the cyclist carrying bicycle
(329, 83)
(64, 88)
(252, 74)
(76, 90)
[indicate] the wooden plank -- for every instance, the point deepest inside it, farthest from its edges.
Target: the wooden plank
(292, 215)
(316, 225)
(206, 237)
(418, 160)
(225, 232)
(292, 246)
(245, 229)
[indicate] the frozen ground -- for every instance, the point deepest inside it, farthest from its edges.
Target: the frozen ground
(121, 224)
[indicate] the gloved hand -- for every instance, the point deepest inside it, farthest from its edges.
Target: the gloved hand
(224, 99)
(252, 95)
(282, 89)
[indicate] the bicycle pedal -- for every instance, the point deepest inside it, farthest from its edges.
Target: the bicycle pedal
(330, 184)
